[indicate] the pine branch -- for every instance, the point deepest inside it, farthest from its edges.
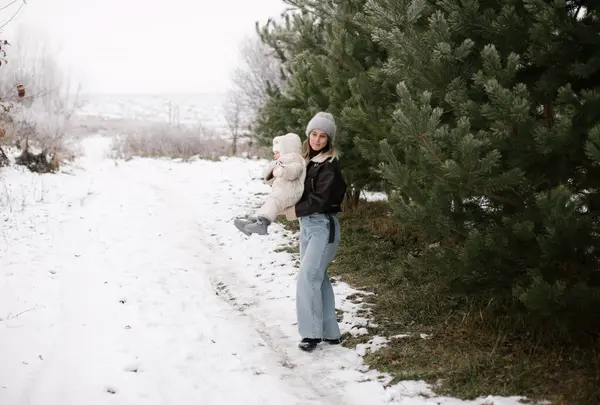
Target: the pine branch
(429, 147)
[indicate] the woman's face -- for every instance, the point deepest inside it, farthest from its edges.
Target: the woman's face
(317, 139)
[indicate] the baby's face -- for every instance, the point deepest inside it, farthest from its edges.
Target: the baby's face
(276, 155)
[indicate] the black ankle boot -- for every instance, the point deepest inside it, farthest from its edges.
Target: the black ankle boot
(333, 341)
(308, 344)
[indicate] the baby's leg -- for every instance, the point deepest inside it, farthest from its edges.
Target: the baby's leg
(270, 209)
(265, 216)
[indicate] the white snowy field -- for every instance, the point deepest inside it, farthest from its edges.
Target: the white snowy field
(126, 283)
(205, 109)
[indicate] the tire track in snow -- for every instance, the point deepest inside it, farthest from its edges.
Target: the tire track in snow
(89, 350)
(304, 384)
(221, 274)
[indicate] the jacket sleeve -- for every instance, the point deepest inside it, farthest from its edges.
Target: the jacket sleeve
(268, 171)
(317, 198)
(289, 171)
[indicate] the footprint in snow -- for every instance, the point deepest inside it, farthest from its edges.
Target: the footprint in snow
(132, 368)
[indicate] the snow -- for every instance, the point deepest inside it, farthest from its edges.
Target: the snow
(125, 282)
(374, 196)
(190, 110)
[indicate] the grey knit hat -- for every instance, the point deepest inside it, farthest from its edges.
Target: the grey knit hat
(323, 121)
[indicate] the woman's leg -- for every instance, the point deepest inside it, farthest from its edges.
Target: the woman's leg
(303, 239)
(317, 254)
(331, 329)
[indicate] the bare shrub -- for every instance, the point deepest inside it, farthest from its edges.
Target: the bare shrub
(47, 100)
(162, 140)
(235, 114)
(248, 148)
(258, 71)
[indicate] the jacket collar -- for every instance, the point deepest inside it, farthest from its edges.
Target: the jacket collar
(322, 157)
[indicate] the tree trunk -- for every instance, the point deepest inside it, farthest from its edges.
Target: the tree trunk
(352, 199)
(234, 142)
(4, 161)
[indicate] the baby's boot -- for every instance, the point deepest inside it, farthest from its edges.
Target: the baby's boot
(240, 224)
(259, 226)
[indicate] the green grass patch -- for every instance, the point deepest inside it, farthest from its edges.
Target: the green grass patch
(287, 249)
(467, 352)
(292, 225)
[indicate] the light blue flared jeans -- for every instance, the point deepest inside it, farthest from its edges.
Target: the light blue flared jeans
(315, 301)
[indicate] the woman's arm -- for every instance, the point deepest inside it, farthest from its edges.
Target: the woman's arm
(268, 172)
(318, 197)
(328, 184)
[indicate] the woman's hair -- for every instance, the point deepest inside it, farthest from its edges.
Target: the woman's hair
(308, 152)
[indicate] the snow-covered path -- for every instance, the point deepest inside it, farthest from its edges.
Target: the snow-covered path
(127, 284)
(128, 307)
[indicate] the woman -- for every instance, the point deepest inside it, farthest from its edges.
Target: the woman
(324, 190)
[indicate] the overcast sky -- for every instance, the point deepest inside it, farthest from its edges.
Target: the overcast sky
(145, 46)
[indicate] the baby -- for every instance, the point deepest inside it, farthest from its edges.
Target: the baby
(286, 175)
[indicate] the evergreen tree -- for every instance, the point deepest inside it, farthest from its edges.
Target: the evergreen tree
(496, 143)
(332, 64)
(296, 41)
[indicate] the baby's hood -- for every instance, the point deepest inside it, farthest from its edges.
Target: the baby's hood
(289, 143)
(276, 147)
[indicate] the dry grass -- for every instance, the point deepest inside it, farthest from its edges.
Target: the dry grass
(15, 198)
(469, 352)
(56, 144)
(162, 140)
